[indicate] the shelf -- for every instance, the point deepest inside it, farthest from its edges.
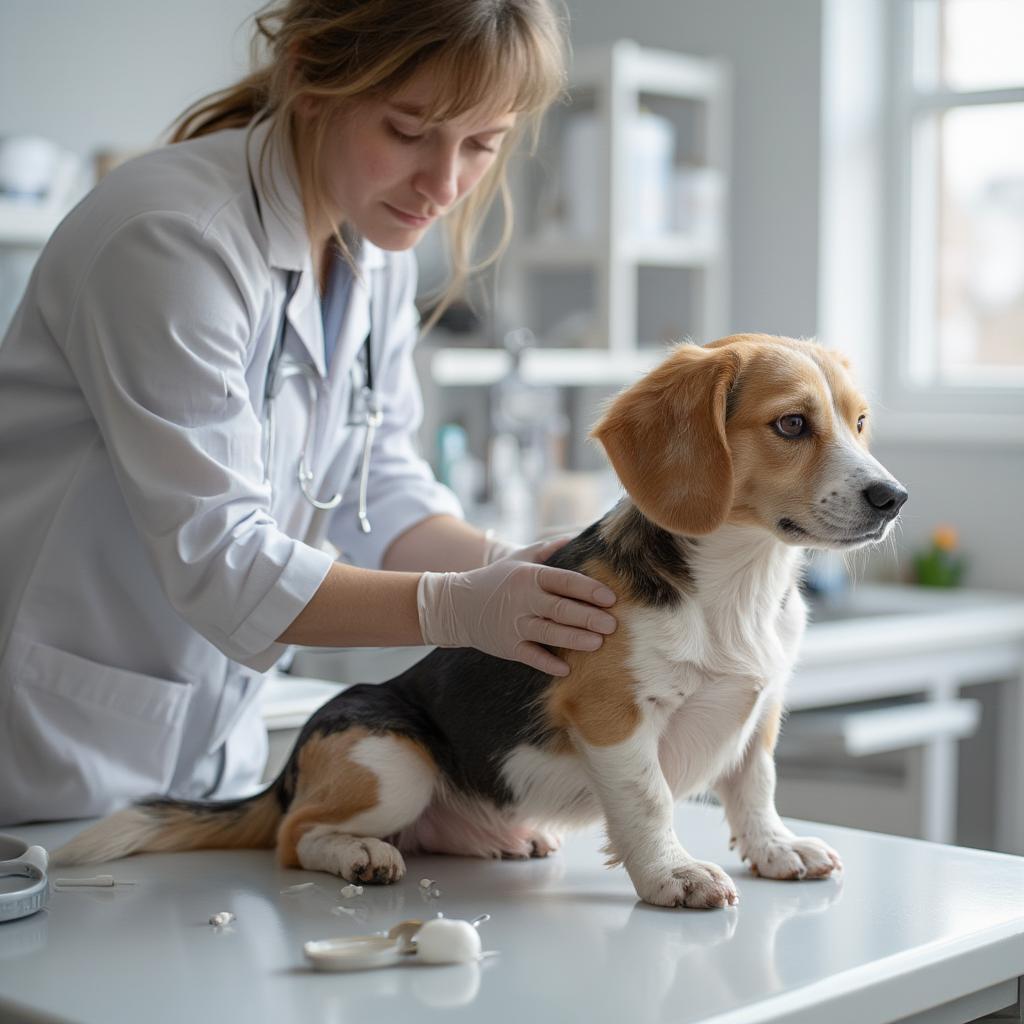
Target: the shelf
(647, 70)
(553, 367)
(562, 252)
(667, 251)
(671, 251)
(27, 225)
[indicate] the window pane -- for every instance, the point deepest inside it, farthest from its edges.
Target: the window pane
(982, 43)
(980, 293)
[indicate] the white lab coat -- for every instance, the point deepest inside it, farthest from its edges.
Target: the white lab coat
(147, 563)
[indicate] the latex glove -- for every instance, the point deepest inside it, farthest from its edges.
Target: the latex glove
(512, 606)
(495, 549)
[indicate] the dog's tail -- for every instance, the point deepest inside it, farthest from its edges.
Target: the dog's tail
(164, 825)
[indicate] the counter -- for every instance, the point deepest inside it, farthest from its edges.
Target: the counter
(909, 930)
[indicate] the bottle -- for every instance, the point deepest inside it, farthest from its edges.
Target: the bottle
(511, 491)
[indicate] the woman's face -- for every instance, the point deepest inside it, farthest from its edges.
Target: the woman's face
(390, 174)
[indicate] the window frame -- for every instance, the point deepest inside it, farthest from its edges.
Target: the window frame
(909, 291)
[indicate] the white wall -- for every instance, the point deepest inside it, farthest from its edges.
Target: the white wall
(114, 73)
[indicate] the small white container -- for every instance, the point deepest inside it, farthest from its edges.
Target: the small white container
(697, 202)
(583, 177)
(28, 164)
(652, 142)
(651, 145)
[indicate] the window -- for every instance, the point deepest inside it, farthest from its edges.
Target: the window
(956, 292)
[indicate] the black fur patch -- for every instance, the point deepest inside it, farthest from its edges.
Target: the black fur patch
(467, 708)
(650, 561)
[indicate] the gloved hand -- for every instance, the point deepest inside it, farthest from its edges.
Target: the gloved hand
(512, 606)
(495, 549)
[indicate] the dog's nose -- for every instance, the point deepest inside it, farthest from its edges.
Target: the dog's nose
(886, 497)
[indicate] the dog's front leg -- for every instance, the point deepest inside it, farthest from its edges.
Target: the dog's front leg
(748, 796)
(637, 804)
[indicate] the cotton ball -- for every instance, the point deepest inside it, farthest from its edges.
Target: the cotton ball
(444, 941)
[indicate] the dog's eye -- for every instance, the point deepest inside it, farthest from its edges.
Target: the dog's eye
(860, 423)
(792, 425)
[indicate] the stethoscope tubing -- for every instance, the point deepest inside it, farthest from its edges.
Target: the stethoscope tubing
(274, 378)
(277, 374)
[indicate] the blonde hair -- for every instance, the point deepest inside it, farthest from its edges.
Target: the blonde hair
(506, 55)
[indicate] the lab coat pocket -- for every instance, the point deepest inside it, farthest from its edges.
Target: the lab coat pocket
(92, 737)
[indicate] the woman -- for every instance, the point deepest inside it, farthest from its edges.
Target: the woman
(209, 381)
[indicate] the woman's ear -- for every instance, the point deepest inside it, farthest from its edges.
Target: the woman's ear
(665, 438)
(308, 108)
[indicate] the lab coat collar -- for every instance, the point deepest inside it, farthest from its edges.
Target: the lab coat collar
(274, 177)
(288, 246)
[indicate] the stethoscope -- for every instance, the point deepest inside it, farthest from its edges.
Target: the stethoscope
(279, 370)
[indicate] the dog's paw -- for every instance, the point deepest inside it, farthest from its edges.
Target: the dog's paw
(526, 843)
(790, 856)
(691, 883)
(543, 844)
(372, 861)
(354, 858)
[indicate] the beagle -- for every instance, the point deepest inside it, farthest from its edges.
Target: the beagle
(734, 457)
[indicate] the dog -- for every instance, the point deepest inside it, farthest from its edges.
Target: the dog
(734, 457)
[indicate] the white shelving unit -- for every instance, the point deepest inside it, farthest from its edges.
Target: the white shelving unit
(614, 84)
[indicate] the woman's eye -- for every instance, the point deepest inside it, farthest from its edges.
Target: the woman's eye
(860, 423)
(484, 148)
(403, 136)
(792, 425)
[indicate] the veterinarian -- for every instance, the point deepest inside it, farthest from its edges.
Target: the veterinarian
(210, 380)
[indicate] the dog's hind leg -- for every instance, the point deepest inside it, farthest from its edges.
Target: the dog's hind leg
(353, 789)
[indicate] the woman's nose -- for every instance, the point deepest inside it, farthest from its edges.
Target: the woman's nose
(438, 179)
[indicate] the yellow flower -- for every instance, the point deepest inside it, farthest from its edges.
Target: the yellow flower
(945, 538)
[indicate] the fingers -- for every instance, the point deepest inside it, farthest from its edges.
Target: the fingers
(574, 584)
(566, 612)
(552, 634)
(540, 659)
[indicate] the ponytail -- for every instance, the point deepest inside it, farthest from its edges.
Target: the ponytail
(233, 107)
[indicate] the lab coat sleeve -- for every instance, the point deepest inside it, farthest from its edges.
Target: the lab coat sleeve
(402, 489)
(158, 339)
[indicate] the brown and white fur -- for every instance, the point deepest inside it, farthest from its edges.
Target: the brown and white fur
(734, 457)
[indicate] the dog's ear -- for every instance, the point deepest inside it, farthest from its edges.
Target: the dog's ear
(665, 437)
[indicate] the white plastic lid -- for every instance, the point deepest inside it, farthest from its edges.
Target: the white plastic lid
(352, 954)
